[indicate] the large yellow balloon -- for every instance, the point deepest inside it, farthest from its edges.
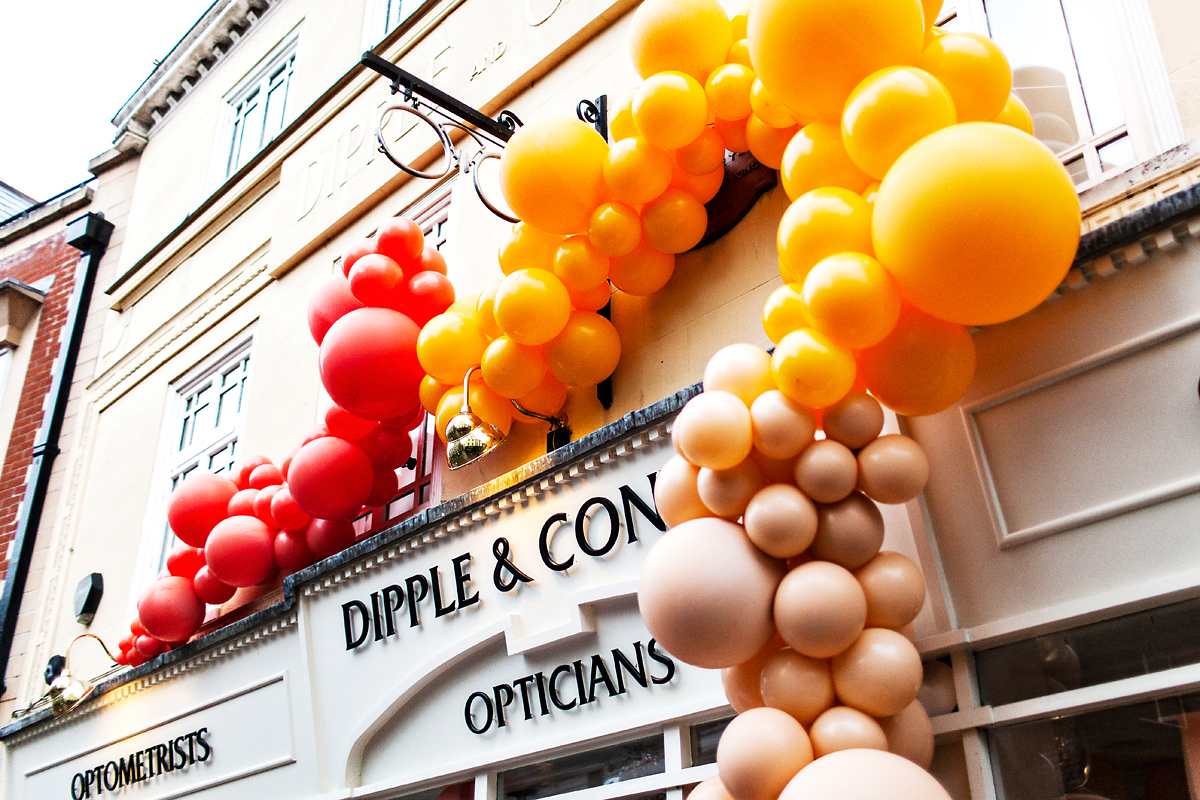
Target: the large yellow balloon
(978, 223)
(552, 173)
(1015, 115)
(692, 36)
(810, 54)
(811, 369)
(973, 69)
(889, 112)
(819, 224)
(614, 229)
(532, 306)
(728, 90)
(784, 312)
(674, 222)
(923, 366)
(643, 271)
(815, 157)
(670, 109)
(586, 352)
(851, 299)
(579, 265)
(449, 345)
(511, 369)
(767, 143)
(635, 171)
(525, 247)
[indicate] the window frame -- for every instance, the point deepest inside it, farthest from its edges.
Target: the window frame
(378, 24)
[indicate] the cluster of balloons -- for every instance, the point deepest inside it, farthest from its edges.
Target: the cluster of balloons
(773, 572)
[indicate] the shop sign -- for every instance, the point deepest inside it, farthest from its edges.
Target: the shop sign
(179, 753)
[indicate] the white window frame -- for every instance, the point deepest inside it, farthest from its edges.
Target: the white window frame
(384, 16)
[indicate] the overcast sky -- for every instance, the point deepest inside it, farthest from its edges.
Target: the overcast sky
(67, 67)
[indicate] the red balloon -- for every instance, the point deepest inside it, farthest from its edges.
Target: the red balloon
(384, 488)
(406, 422)
(184, 561)
(369, 364)
(328, 536)
(432, 261)
(242, 503)
(314, 433)
(262, 504)
(126, 643)
(343, 424)
(136, 659)
(265, 475)
(287, 461)
(401, 240)
(428, 294)
(377, 281)
(136, 629)
(356, 250)
(330, 478)
(286, 513)
(122, 657)
(330, 302)
(292, 553)
(148, 647)
(241, 473)
(239, 551)
(387, 448)
(210, 588)
(170, 610)
(199, 503)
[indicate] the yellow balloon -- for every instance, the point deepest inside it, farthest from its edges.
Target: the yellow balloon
(692, 36)
(670, 109)
(702, 187)
(552, 173)
(485, 404)
(810, 54)
(784, 312)
(431, 391)
(1015, 115)
(728, 91)
(737, 20)
(614, 229)
(851, 299)
(546, 400)
(770, 111)
(819, 224)
(733, 133)
(511, 369)
(768, 144)
(525, 247)
(973, 69)
(449, 406)
(889, 112)
(485, 310)
(586, 352)
(635, 171)
(579, 265)
(739, 53)
(675, 222)
(811, 370)
(869, 193)
(449, 345)
(815, 157)
(641, 272)
(532, 306)
(591, 299)
(931, 9)
(702, 156)
(923, 366)
(978, 223)
(464, 305)
(620, 118)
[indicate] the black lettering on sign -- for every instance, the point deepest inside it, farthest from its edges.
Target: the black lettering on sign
(583, 523)
(353, 640)
(142, 765)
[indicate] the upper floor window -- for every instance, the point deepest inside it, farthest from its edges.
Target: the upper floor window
(384, 16)
(258, 107)
(1089, 98)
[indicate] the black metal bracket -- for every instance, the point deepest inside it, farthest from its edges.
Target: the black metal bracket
(604, 389)
(595, 113)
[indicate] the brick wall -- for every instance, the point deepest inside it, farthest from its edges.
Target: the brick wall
(52, 256)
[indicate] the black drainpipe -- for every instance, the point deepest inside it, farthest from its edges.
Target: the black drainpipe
(89, 234)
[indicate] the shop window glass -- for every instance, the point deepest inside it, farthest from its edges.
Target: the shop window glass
(601, 767)
(704, 741)
(259, 108)
(455, 791)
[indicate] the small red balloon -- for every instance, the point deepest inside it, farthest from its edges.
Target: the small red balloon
(136, 659)
(330, 478)
(286, 513)
(432, 261)
(149, 647)
(262, 505)
(342, 423)
(241, 473)
(265, 475)
(239, 551)
(328, 536)
(330, 302)
(136, 629)
(314, 433)
(369, 365)
(184, 561)
(287, 461)
(401, 240)
(126, 643)
(170, 610)
(387, 448)
(356, 250)
(377, 281)
(406, 422)
(429, 294)
(198, 504)
(383, 489)
(242, 504)
(292, 553)
(122, 657)
(210, 588)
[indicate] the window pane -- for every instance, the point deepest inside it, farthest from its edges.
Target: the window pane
(1094, 62)
(1077, 169)
(1116, 154)
(400, 506)
(704, 741)
(601, 767)
(457, 791)
(276, 100)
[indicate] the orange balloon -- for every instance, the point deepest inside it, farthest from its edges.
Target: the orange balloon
(675, 222)
(733, 133)
(484, 309)
(816, 158)
(532, 306)
(818, 225)
(923, 366)
(586, 352)
(643, 271)
(739, 53)
(688, 35)
(702, 187)
(851, 299)
(702, 156)
(579, 265)
(670, 109)
(431, 392)
(889, 112)
(552, 173)
(770, 111)
(738, 20)
(614, 229)
(620, 117)
(546, 400)
(449, 345)
(784, 312)
(1015, 115)
(636, 172)
(811, 369)
(973, 69)
(728, 91)
(511, 369)
(464, 306)
(766, 143)
(592, 299)
(525, 247)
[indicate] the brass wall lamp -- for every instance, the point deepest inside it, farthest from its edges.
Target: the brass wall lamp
(470, 438)
(67, 692)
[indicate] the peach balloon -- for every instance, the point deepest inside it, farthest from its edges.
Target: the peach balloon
(781, 521)
(892, 469)
(843, 728)
(774, 470)
(740, 369)
(727, 492)
(879, 674)
(849, 532)
(826, 471)
(820, 609)
(859, 774)
(705, 593)
(937, 692)
(910, 734)
(710, 789)
(675, 494)
(782, 427)
(799, 685)
(760, 751)
(742, 682)
(713, 430)
(894, 588)
(855, 420)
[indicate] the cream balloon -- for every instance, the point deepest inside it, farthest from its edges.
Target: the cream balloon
(713, 430)
(844, 728)
(894, 588)
(782, 427)
(710, 789)
(742, 683)
(855, 420)
(861, 774)
(820, 609)
(879, 674)
(937, 693)
(781, 521)
(760, 751)
(799, 685)
(727, 492)
(730, 619)
(849, 532)
(675, 494)
(910, 734)
(774, 470)
(892, 469)
(740, 369)
(826, 471)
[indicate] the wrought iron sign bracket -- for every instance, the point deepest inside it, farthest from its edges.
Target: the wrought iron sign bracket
(595, 113)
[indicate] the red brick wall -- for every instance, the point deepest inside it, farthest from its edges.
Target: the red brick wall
(52, 256)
